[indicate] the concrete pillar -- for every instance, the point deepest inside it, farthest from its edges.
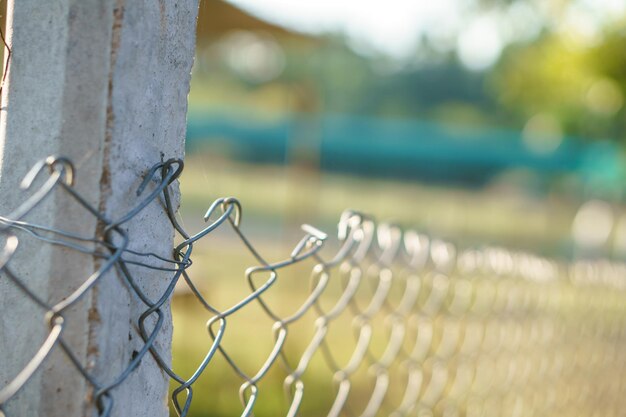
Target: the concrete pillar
(105, 83)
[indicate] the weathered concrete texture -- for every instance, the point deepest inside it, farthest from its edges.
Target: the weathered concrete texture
(148, 103)
(104, 82)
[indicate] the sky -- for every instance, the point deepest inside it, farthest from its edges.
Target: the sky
(394, 27)
(391, 26)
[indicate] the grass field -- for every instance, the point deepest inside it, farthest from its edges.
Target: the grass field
(279, 198)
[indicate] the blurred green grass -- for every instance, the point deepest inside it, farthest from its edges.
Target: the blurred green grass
(282, 197)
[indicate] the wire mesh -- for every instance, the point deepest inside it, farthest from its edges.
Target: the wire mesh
(426, 329)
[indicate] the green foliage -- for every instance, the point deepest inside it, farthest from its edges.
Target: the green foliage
(583, 87)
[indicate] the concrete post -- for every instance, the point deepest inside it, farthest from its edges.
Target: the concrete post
(104, 82)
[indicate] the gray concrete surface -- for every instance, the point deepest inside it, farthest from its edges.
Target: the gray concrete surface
(104, 82)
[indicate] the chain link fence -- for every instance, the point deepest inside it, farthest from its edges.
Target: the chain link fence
(425, 328)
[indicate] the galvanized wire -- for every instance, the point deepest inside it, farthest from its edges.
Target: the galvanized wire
(467, 332)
